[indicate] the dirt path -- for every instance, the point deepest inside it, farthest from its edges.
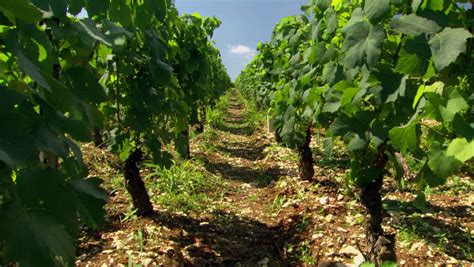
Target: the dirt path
(256, 236)
(239, 227)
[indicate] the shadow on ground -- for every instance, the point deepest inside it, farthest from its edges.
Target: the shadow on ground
(226, 239)
(252, 153)
(261, 178)
(446, 236)
(238, 129)
(93, 244)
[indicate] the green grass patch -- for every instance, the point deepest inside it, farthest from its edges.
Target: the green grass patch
(184, 187)
(215, 116)
(409, 235)
(252, 117)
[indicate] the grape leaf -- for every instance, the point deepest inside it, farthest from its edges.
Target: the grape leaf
(405, 137)
(436, 5)
(414, 25)
(75, 6)
(442, 164)
(363, 44)
(52, 8)
(46, 190)
(21, 9)
(461, 149)
(160, 7)
(97, 7)
(414, 57)
(32, 238)
(90, 201)
(447, 45)
(376, 9)
(462, 127)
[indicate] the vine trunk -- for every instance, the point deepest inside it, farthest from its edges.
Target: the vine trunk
(135, 185)
(382, 245)
(305, 164)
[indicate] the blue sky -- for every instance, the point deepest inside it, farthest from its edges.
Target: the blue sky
(244, 24)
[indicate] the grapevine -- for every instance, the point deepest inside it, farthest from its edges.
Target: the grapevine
(386, 77)
(65, 80)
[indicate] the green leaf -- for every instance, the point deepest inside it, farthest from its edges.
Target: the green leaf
(315, 28)
(46, 190)
(310, 54)
(125, 150)
(32, 70)
(359, 124)
(308, 77)
(442, 164)
(323, 4)
(405, 137)
(415, 4)
(78, 129)
(21, 9)
(120, 12)
(16, 144)
(160, 7)
(391, 85)
(457, 102)
(363, 44)
(446, 109)
(97, 7)
(74, 168)
(48, 139)
(56, 93)
(32, 238)
(435, 5)
(75, 6)
(85, 85)
(331, 22)
(88, 26)
(357, 143)
(414, 25)
(348, 92)
(461, 149)
(331, 106)
(463, 128)
(52, 8)
(90, 201)
(414, 57)
(60, 96)
(427, 176)
(436, 87)
(447, 45)
(376, 9)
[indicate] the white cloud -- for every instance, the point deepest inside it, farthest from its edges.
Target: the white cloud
(242, 50)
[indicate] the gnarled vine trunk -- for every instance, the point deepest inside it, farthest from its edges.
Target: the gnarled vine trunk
(278, 136)
(186, 154)
(305, 164)
(98, 138)
(381, 245)
(135, 185)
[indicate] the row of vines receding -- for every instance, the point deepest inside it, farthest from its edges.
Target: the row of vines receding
(389, 78)
(132, 76)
